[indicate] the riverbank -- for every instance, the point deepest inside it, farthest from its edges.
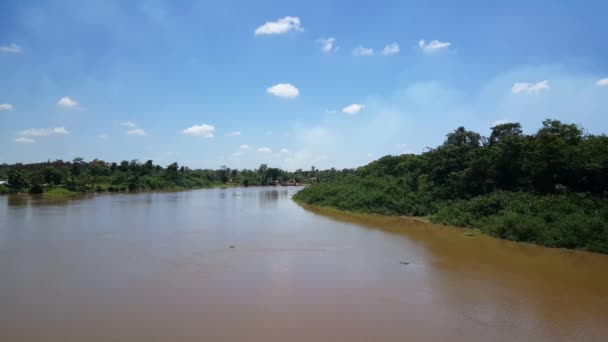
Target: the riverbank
(571, 221)
(61, 191)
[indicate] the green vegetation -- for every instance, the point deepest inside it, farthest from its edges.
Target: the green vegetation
(65, 178)
(548, 188)
(59, 192)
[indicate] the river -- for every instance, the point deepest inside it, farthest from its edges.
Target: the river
(249, 264)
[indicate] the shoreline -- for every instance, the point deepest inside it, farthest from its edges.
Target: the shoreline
(66, 193)
(466, 231)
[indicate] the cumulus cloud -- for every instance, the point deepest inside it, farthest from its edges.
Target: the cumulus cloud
(238, 154)
(233, 134)
(244, 147)
(6, 106)
(27, 136)
(327, 44)
(137, 132)
(363, 51)
(530, 88)
(281, 26)
(133, 129)
(66, 102)
(284, 90)
(284, 151)
(264, 150)
(602, 82)
(353, 109)
(24, 140)
(204, 130)
(390, 49)
(433, 46)
(43, 132)
(11, 48)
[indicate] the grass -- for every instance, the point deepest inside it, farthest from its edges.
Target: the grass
(58, 192)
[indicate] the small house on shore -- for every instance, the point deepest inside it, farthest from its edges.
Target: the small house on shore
(291, 182)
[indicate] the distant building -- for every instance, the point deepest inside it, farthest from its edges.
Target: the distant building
(291, 182)
(312, 180)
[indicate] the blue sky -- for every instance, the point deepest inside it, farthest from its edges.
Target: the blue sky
(324, 83)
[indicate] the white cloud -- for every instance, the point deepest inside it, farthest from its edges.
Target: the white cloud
(353, 109)
(244, 147)
(530, 88)
(66, 102)
(43, 132)
(233, 134)
(137, 131)
(102, 136)
(363, 51)
(264, 150)
(129, 124)
(284, 151)
(133, 129)
(11, 48)
(327, 44)
(330, 111)
(433, 46)
(390, 49)
(238, 154)
(6, 106)
(281, 26)
(602, 82)
(284, 90)
(204, 130)
(24, 140)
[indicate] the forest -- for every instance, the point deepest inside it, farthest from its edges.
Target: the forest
(549, 188)
(66, 177)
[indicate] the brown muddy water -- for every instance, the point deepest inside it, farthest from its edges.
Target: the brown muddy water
(252, 265)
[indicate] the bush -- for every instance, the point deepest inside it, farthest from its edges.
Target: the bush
(566, 220)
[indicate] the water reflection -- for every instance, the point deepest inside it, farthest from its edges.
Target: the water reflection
(20, 200)
(17, 200)
(271, 197)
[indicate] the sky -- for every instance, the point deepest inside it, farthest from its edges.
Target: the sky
(290, 84)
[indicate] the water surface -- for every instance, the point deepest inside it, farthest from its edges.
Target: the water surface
(252, 265)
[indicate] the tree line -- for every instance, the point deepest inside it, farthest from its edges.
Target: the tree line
(548, 188)
(97, 176)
